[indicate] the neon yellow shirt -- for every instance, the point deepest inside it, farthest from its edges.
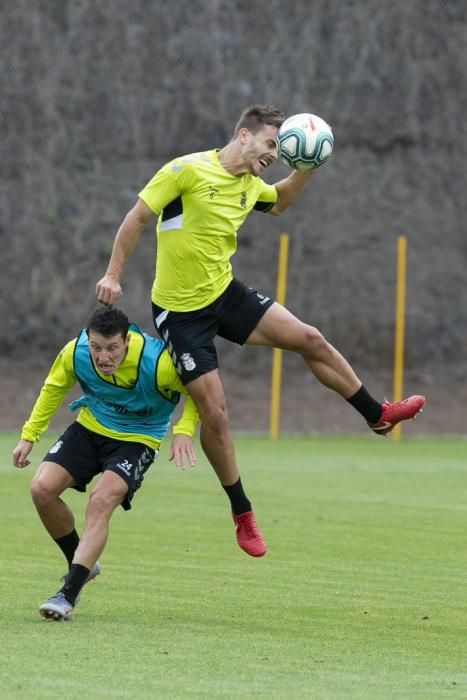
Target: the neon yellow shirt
(201, 208)
(62, 378)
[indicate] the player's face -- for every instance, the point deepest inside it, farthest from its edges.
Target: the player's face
(107, 353)
(260, 149)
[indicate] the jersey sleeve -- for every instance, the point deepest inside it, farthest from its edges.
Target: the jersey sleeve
(188, 421)
(60, 379)
(163, 188)
(267, 197)
(167, 377)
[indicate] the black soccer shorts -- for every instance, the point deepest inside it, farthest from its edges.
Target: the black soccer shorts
(84, 454)
(189, 335)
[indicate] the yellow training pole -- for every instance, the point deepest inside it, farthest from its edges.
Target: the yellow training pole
(277, 353)
(400, 323)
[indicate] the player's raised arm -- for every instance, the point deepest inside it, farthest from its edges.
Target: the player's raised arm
(108, 289)
(289, 190)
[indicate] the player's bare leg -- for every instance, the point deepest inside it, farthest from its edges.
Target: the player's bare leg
(279, 328)
(108, 493)
(49, 482)
(208, 394)
(216, 440)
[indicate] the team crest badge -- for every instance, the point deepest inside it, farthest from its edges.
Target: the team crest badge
(187, 361)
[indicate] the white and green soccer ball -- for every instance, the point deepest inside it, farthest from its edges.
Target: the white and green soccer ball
(304, 141)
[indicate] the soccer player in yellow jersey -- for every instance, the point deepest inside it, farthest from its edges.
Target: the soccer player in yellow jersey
(201, 200)
(130, 390)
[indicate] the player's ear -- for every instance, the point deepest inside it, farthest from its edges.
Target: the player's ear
(243, 134)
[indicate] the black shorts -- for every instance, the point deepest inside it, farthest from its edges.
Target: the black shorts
(84, 454)
(189, 335)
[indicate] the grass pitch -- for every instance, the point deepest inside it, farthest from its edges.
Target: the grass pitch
(361, 594)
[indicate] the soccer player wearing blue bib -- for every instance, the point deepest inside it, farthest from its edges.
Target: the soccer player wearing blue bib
(130, 390)
(201, 200)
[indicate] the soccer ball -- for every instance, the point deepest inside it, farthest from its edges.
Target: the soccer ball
(304, 142)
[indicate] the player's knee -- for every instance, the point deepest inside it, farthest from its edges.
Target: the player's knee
(314, 343)
(42, 492)
(103, 501)
(215, 418)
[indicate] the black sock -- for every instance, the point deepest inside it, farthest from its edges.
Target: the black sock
(366, 405)
(238, 500)
(75, 581)
(68, 545)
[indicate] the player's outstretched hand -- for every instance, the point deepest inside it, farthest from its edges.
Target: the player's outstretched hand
(108, 290)
(182, 451)
(20, 453)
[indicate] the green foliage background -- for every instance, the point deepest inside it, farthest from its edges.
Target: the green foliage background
(95, 96)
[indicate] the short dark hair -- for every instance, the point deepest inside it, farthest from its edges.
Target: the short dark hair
(255, 117)
(108, 322)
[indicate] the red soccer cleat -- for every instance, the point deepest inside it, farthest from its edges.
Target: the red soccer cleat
(249, 537)
(394, 413)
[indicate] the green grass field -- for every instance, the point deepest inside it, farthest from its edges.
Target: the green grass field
(361, 595)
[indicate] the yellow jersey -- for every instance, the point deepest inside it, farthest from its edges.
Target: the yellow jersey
(200, 207)
(62, 378)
